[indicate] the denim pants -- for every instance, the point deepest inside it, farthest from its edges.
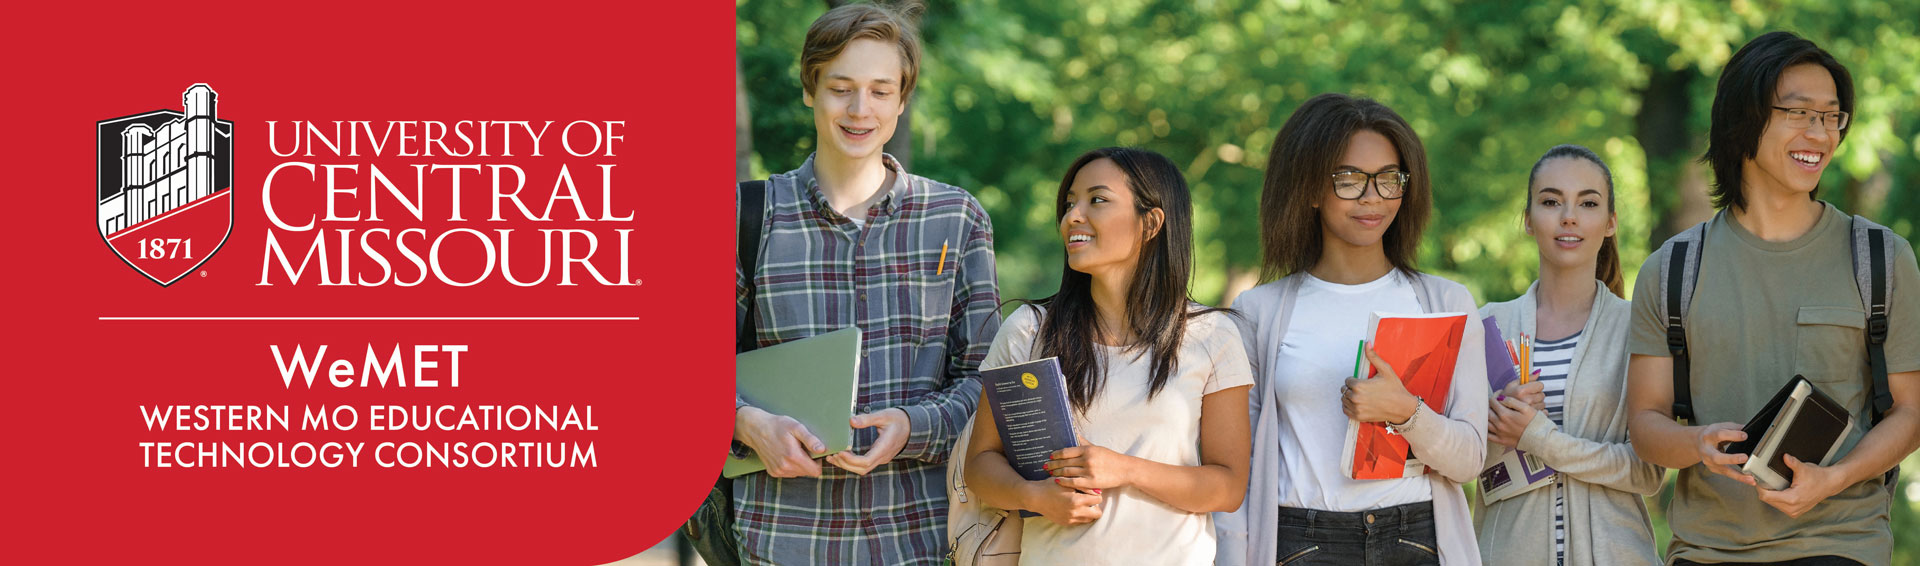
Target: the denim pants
(1401, 535)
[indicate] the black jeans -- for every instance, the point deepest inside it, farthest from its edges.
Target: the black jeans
(1402, 535)
(1809, 561)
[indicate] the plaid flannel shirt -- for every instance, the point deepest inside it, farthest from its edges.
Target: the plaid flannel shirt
(918, 279)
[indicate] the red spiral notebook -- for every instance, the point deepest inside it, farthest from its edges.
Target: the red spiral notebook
(1422, 349)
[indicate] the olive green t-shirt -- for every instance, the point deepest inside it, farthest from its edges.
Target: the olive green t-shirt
(1763, 312)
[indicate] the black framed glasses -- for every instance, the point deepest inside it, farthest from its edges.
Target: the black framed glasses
(1804, 118)
(1351, 185)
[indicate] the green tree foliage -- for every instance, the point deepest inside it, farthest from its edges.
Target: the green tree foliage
(1011, 92)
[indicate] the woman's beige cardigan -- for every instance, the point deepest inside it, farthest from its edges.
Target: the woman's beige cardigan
(1606, 517)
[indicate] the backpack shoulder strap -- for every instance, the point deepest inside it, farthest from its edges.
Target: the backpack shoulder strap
(752, 196)
(1678, 277)
(1871, 255)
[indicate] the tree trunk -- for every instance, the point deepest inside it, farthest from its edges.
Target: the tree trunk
(900, 146)
(1238, 281)
(1868, 197)
(742, 126)
(1676, 181)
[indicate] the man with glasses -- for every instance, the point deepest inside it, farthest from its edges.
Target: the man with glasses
(1774, 295)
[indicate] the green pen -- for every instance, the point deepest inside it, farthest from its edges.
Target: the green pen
(1359, 355)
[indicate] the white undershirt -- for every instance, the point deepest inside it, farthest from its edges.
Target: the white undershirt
(1316, 357)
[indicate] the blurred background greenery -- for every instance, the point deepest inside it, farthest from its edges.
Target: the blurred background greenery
(1011, 92)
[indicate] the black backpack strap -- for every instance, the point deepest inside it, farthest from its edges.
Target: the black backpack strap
(1875, 287)
(753, 197)
(1870, 244)
(1677, 333)
(710, 530)
(1681, 275)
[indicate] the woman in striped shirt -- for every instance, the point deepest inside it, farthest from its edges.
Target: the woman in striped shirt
(1571, 416)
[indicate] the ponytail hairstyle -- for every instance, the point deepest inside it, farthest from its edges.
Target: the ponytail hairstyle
(1607, 269)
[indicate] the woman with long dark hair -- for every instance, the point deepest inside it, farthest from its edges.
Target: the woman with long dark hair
(1575, 322)
(1158, 383)
(1346, 196)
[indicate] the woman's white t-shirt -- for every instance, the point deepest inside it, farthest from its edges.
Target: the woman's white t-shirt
(1316, 358)
(1135, 528)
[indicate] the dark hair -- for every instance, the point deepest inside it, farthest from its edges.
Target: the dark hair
(832, 31)
(1304, 156)
(1608, 268)
(1157, 304)
(1743, 105)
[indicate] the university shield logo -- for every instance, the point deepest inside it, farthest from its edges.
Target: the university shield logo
(165, 186)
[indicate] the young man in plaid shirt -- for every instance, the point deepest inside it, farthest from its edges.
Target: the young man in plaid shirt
(851, 239)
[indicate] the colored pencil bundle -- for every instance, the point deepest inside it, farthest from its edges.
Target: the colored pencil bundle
(1521, 352)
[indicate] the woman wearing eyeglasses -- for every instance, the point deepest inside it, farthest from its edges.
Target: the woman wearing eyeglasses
(1346, 196)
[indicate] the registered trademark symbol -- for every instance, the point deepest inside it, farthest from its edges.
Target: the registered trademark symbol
(636, 281)
(203, 273)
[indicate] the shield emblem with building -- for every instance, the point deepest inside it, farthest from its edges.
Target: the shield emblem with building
(165, 186)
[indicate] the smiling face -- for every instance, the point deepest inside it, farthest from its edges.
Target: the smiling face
(857, 100)
(1101, 223)
(1362, 222)
(1791, 159)
(1567, 213)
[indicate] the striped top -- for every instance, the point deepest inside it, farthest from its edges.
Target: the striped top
(1553, 358)
(917, 278)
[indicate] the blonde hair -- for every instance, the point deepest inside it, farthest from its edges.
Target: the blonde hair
(831, 33)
